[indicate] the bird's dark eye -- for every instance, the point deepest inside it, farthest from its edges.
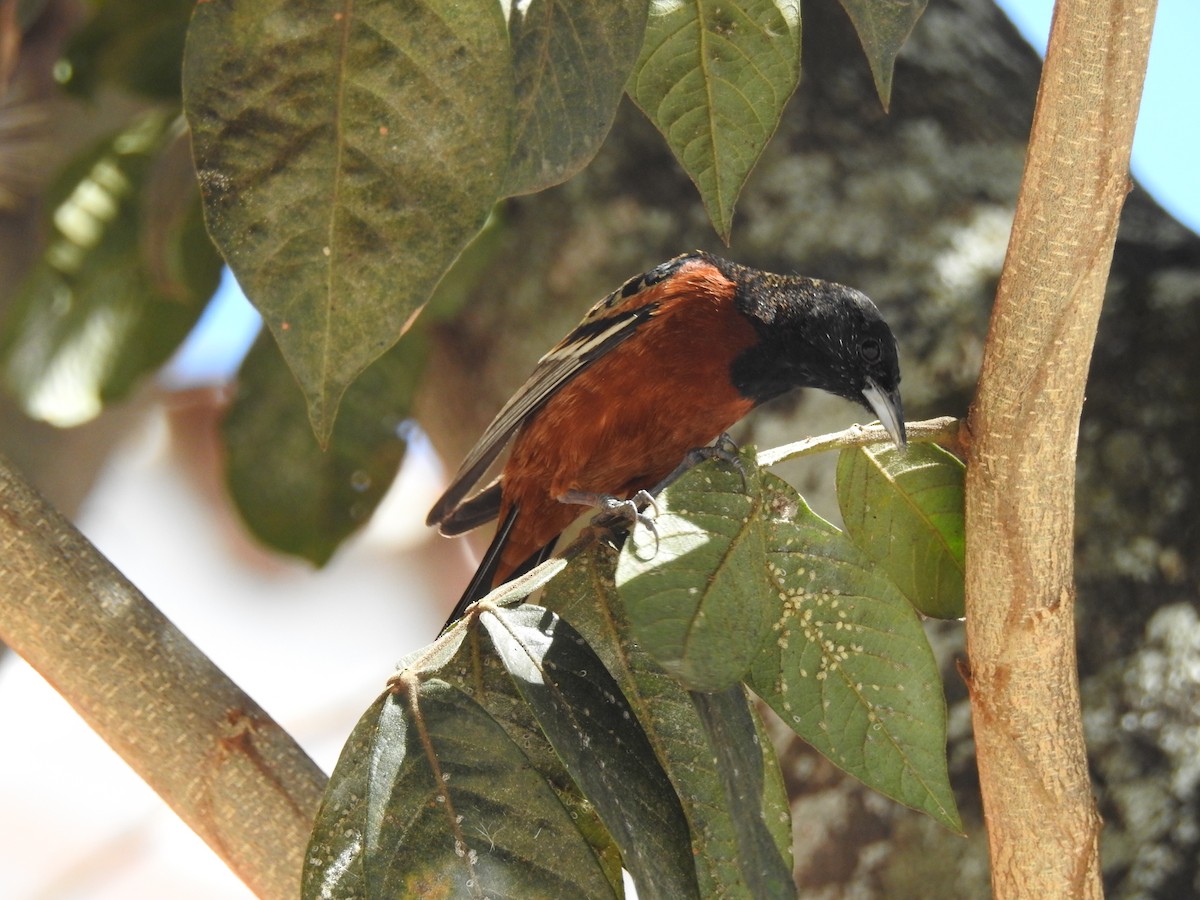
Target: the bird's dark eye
(870, 350)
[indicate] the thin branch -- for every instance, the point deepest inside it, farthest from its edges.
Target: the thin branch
(229, 771)
(944, 431)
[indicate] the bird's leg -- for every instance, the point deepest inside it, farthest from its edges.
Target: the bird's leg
(723, 448)
(613, 510)
(632, 512)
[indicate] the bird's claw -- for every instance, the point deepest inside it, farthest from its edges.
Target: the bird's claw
(633, 511)
(727, 450)
(723, 449)
(614, 510)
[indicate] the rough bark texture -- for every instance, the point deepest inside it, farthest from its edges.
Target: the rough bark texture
(1043, 828)
(915, 207)
(229, 771)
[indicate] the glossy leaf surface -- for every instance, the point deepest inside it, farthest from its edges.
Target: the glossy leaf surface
(586, 596)
(905, 512)
(714, 77)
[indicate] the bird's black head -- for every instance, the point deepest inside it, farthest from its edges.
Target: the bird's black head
(820, 335)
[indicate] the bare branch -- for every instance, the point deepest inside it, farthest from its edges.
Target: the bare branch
(943, 431)
(227, 769)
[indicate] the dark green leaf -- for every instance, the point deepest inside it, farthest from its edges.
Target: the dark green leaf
(126, 272)
(586, 596)
(478, 672)
(589, 723)
(904, 510)
(698, 597)
(714, 77)
(431, 797)
(294, 495)
(849, 668)
(298, 501)
(346, 155)
(883, 26)
(571, 63)
(472, 265)
(733, 739)
(135, 44)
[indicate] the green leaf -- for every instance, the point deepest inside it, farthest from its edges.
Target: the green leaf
(904, 510)
(431, 797)
(733, 738)
(300, 502)
(478, 672)
(589, 723)
(294, 495)
(346, 155)
(883, 26)
(586, 596)
(136, 44)
(571, 61)
(126, 273)
(714, 77)
(849, 668)
(697, 596)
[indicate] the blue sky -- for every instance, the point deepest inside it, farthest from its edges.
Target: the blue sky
(1166, 147)
(1166, 159)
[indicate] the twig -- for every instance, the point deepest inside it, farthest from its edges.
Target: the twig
(943, 431)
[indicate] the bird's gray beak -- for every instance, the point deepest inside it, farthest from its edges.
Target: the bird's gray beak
(889, 410)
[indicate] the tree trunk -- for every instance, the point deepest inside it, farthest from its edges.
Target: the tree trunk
(1043, 828)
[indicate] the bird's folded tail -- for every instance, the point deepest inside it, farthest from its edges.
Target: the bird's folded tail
(469, 514)
(481, 584)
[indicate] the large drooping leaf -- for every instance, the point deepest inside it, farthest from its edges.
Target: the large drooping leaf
(883, 26)
(714, 77)
(571, 61)
(584, 715)
(126, 272)
(849, 668)
(844, 661)
(293, 494)
(346, 154)
(432, 797)
(303, 499)
(720, 824)
(696, 592)
(904, 510)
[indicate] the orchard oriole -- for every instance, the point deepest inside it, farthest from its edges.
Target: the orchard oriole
(662, 365)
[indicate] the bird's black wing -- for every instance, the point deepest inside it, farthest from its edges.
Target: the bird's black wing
(609, 323)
